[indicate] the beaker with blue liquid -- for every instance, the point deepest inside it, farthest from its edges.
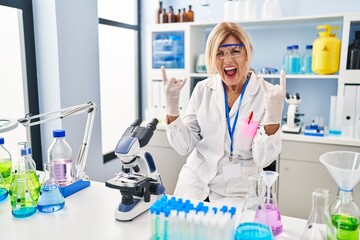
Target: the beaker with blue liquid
(254, 222)
(51, 198)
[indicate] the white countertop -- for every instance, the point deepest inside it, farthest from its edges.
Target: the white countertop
(327, 139)
(89, 214)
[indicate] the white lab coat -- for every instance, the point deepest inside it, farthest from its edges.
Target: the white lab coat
(203, 130)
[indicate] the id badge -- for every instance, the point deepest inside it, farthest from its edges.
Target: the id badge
(231, 171)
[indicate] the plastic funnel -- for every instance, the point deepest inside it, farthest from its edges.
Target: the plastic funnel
(269, 177)
(344, 167)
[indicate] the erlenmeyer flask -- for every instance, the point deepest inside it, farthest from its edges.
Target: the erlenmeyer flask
(3, 188)
(345, 216)
(272, 210)
(51, 198)
(319, 224)
(254, 222)
(23, 204)
(24, 168)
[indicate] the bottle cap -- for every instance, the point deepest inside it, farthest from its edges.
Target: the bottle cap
(309, 46)
(295, 46)
(2, 141)
(289, 47)
(59, 133)
(23, 152)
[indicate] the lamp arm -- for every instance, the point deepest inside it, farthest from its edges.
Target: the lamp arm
(88, 107)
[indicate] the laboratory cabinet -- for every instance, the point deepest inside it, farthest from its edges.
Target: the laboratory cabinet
(300, 171)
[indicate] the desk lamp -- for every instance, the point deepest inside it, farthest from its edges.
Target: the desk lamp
(80, 180)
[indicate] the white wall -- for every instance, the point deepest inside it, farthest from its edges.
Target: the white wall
(67, 52)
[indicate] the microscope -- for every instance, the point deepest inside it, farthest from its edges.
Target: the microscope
(293, 121)
(139, 183)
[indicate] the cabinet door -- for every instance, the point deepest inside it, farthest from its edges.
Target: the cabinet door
(296, 181)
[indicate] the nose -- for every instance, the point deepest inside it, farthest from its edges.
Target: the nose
(225, 52)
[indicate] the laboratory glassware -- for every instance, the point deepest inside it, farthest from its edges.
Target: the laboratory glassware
(254, 223)
(24, 168)
(318, 226)
(191, 14)
(22, 202)
(51, 198)
(3, 189)
(294, 61)
(344, 167)
(271, 206)
(286, 59)
(306, 60)
(353, 61)
(60, 153)
(5, 163)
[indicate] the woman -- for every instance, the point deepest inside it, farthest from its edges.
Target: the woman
(232, 122)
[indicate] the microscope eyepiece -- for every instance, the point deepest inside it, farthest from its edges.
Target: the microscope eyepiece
(153, 124)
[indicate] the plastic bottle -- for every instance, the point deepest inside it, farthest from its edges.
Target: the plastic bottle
(353, 61)
(306, 61)
(5, 163)
(326, 51)
(190, 14)
(60, 153)
(286, 58)
(319, 222)
(294, 60)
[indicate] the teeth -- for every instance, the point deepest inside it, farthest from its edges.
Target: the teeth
(229, 68)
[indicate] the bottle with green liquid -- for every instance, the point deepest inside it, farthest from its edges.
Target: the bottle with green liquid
(24, 168)
(345, 216)
(5, 164)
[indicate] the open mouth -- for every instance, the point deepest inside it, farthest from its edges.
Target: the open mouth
(230, 71)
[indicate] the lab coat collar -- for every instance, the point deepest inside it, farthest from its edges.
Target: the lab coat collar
(217, 86)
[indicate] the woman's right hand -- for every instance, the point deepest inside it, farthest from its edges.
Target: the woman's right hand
(172, 88)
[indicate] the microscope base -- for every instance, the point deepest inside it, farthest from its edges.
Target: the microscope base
(286, 129)
(129, 212)
(73, 187)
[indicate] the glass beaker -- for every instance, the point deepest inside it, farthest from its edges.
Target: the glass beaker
(3, 188)
(22, 202)
(319, 224)
(254, 222)
(24, 168)
(272, 210)
(51, 198)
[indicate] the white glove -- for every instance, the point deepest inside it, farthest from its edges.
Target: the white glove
(172, 88)
(274, 98)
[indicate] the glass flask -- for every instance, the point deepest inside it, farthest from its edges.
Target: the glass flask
(22, 202)
(271, 207)
(254, 222)
(5, 163)
(24, 168)
(3, 188)
(319, 224)
(345, 216)
(51, 198)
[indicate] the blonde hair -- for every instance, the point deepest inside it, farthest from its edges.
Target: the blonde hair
(220, 32)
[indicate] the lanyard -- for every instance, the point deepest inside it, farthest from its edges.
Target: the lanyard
(231, 130)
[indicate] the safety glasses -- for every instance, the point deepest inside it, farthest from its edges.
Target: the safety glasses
(234, 50)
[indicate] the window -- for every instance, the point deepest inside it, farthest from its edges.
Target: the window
(18, 91)
(119, 46)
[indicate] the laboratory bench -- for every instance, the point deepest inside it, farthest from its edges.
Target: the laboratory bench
(89, 214)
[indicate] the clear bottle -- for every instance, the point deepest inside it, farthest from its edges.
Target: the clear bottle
(271, 206)
(190, 14)
(306, 61)
(24, 169)
(22, 201)
(294, 60)
(51, 198)
(60, 153)
(319, 224)
(345, 216)
(354, 53)
(286, 58)
(5, 163)
(254, 223)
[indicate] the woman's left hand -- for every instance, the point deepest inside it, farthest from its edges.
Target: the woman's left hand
(274, 98)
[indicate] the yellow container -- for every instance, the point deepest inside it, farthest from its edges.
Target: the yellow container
(326, 51)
